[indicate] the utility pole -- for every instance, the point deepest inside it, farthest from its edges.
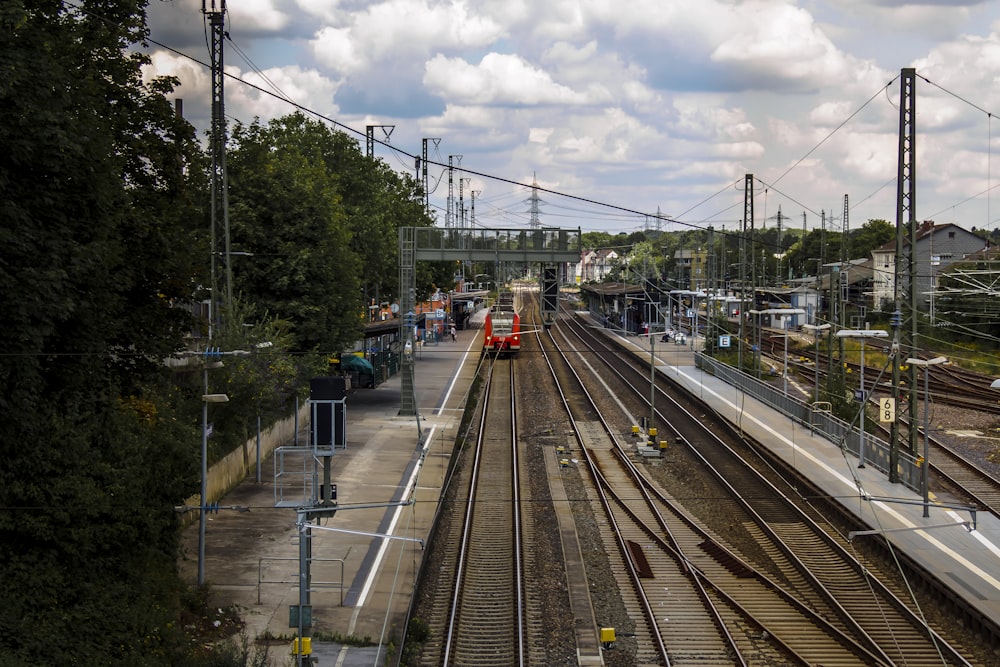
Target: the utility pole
(474, 193)
(461, 201)
(370, 138)
(781, 251)
(805, 269)
(906, 197)
(449, 219)
(215, 12)
(748, 222)
(427, 191)
(710, 292)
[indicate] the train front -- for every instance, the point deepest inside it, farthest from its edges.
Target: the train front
(503, 331)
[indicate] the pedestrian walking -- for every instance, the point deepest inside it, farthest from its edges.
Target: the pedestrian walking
(453, 339)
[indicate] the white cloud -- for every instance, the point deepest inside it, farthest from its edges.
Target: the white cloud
(930, 19)
(497, 79)
(307, 88)
(335, 50)
(773, 41)
(256, 16)
(641, 102)
(400, 30)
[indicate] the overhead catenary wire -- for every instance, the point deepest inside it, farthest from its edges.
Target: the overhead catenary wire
(668, 219)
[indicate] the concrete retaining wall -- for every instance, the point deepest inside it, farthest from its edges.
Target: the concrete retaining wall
(234, 468)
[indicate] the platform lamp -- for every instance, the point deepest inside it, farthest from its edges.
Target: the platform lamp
(205, 400)
(863, 335)
(926, 365)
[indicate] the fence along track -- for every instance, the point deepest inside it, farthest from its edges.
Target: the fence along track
(486, 625)
(948, 465)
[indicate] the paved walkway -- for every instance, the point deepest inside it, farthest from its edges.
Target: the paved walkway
(361, 584)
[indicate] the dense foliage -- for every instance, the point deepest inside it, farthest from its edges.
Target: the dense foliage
(95, 204)
(103, 248)
(321, 221)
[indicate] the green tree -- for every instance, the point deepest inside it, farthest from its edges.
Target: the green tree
(873, 234)
(596, 240)
(287, 210)
(97, 183)
(322, 222)
(377, 201)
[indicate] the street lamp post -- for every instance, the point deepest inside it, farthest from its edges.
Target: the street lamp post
(926, 365)
(784, 370)
(206, 398)
(212, 360)
(816, 328)
(863, 335)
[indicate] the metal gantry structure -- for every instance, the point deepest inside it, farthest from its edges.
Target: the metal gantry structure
(370, 137)
(544, 246)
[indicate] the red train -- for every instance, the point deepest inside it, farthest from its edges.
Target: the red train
(502, 330)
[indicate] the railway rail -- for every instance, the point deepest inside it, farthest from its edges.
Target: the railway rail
(482, 621)
(814, 564)
(743, 572)
(967, 481)
(948, 385)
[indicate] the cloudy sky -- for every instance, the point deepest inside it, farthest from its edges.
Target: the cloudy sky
(620, 108)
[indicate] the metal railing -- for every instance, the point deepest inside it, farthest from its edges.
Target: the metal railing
(820, 421)
(313, 583)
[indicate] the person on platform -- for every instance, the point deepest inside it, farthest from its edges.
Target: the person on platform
(453, 339)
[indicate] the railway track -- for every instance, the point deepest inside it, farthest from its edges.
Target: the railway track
(702, 602)
(948, 385)
(481, 620)
(951, 386)
(865, 617)
(778, 585)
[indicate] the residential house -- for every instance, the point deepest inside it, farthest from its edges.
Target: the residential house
(595, 265)
(692, 268)
(937, 247)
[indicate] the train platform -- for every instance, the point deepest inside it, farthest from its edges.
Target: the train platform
(361, 582)
(961, 549)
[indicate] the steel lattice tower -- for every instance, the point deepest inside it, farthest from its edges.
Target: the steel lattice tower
(534, 222)
(906, 232)
(216, 14)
